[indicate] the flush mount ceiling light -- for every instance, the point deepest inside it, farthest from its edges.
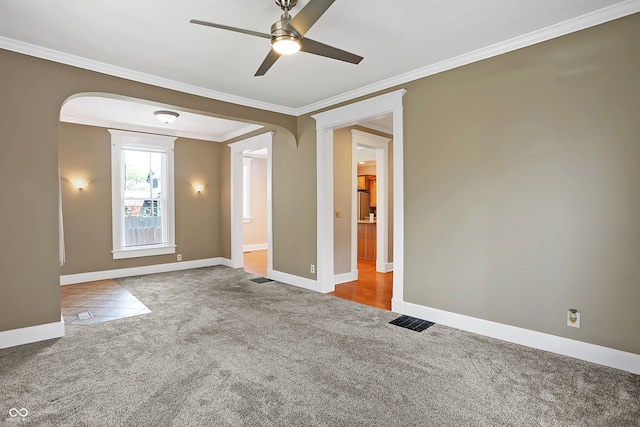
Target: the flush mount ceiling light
(166, 117)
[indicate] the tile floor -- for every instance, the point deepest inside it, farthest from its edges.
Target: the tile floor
(104, 299)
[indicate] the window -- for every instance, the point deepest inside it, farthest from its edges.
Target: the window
(142, 194)
(246, 189)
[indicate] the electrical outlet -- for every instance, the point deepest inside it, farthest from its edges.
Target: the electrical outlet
(312, 269)
(573, 318)
(179, 257)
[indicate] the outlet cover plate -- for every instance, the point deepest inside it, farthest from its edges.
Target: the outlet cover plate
(572, 324)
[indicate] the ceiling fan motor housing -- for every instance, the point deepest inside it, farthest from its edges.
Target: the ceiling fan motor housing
(278, 30)
(284, 40)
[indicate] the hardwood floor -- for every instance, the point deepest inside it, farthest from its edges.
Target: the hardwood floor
(255, 262)
(371, 288)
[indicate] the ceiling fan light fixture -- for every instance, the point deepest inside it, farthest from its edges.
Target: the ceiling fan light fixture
(166, 117)
(286, 45)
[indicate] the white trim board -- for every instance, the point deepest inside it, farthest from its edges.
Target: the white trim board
(30, 334)
(593, 353)
(301, 282)
(385, 268)
(70, 279)
(255, 247)
(345, 277)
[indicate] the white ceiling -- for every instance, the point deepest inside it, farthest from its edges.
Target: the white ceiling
(137, 115)
(154, 42)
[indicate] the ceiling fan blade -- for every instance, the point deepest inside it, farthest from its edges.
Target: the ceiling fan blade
(271, 58)
(317, 48)
(226, 27)
(309, 15)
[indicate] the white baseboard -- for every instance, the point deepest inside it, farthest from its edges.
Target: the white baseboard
(384, 267)
(345, 277)
(290, 279)
(396, 306)
(139, 271)
(255, 247)
(20, 336)
(568, 347)
(226, 262)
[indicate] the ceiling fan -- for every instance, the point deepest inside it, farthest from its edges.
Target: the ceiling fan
(287, 34)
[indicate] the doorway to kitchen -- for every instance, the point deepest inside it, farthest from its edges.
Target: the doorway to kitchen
(326, 123)
(366, 178)
(372, 226)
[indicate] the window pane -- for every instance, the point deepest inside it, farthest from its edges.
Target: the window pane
(143, 174)
(142, 222)
(143, 198)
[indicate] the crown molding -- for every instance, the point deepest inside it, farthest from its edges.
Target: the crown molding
(597, 17)
(112, 70)
(592, 19)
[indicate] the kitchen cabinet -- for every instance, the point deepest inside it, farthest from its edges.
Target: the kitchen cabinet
(372, 192)
(362, 182)
(367, 240)
(368, 183)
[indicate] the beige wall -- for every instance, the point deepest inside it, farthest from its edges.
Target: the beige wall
(85, 151)
(522, 176)
(32, 92)
(294, 203)
(255, 232)
(342, 192)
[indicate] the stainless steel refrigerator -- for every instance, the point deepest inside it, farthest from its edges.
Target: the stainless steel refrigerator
(363, 205)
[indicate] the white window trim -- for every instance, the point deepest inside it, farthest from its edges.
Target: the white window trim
(119, 140)
(246, 190)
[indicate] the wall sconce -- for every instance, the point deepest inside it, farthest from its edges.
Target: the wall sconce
(80, 183)
(198, 187)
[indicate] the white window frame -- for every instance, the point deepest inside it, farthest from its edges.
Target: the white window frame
(246, 190)
(122, 140)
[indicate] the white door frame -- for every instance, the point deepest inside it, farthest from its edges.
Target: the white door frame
(381, 145)
(264, 140)
(341, 117)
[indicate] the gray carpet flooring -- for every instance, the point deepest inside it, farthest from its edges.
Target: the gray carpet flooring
(220, 350)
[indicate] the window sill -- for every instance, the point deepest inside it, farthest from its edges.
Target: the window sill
(143, 251)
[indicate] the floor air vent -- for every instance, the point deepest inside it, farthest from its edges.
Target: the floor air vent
(412, 323)
(85, 315)
(261, 280)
